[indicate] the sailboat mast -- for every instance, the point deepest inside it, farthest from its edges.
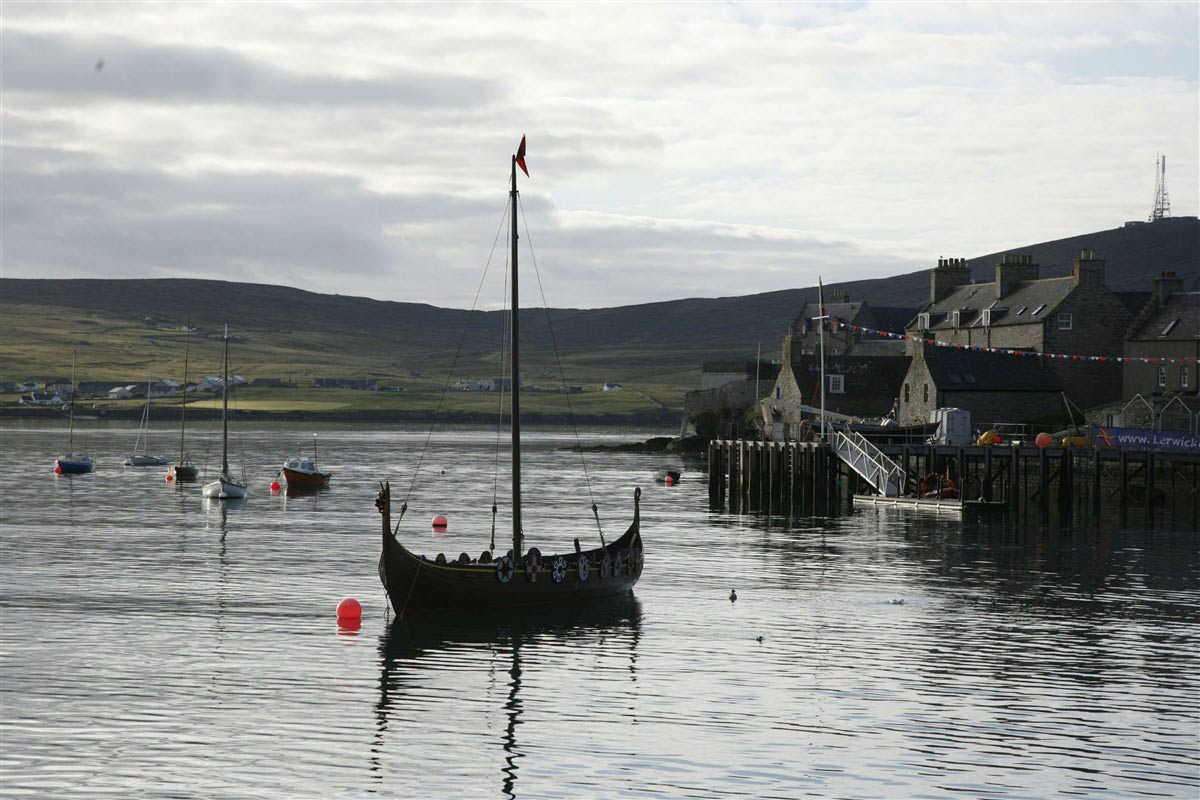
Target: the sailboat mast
(71, 435)
(187, 340)
(225, 412)
(516, 381)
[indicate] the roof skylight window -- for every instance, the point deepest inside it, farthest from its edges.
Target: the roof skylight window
(1037, 310)
(1167, 329)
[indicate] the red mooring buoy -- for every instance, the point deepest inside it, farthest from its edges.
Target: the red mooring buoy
(170, 477)
(57, 469)
(669, 481)
(274, 486)
(440, 522)
(349, 610)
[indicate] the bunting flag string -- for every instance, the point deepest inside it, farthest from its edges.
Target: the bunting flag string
(1011, 352)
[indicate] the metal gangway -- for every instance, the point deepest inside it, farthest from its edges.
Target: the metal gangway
(870, 462)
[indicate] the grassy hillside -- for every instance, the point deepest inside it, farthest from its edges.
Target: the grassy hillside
(125, 329)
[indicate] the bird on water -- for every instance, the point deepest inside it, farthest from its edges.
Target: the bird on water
(732, 595)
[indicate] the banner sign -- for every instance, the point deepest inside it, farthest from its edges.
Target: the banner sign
(1142, 439)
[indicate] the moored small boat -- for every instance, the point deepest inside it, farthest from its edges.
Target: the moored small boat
(184, 471)
(73, 463)
(299, 472)
(225, 487)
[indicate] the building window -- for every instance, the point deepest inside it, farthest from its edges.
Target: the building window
(927, 393)
(923, 321)
(1183, 378)
(906, 397)
(1021, 310)
(1167, 329)
(1037, 310)
(987, 317)
(1162, 377)
(1064, 321)
(778, 391)
(955, 318)
(837, 384)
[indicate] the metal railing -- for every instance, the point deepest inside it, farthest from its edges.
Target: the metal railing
(870, 462)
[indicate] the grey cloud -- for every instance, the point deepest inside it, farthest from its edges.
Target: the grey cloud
(65, 66)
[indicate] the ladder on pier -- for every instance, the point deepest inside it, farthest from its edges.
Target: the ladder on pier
(870, 462)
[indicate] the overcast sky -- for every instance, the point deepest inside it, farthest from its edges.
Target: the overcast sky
(676, 150)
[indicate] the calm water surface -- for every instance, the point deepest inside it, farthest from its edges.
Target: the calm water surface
(155, 646)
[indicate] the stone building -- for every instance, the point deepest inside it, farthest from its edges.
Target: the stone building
(1167, 327)
(1076, 314)
(994, 387)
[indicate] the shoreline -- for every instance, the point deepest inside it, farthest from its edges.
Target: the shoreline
(167, 414)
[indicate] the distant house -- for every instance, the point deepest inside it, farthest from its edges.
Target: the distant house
(91, 388)
(8, 386)
(27, 386)
(342, 383)
(1168, 327)
(163, 389)
(267, 382)
(41, 399)
(126, 392)
(613, 387)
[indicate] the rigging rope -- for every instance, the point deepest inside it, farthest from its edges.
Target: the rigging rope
(562, 375)
(505, 323)
(454, 363)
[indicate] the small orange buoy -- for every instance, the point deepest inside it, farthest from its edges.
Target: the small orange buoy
(349, 610)
(440, 521)
(274, 486)
(57, 469)
(669, 481)
(1043, 439)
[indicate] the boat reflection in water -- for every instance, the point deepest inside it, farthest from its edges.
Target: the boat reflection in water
(426, 661)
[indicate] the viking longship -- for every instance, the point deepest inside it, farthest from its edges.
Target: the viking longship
(519, 578)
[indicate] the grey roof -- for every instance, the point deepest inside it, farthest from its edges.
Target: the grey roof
(893, 318)
(963, 370)
(1181, 306)
(875, 348)
(1133, 301)
(847, 312)
(1018, 305)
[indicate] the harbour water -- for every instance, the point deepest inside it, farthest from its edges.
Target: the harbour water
(154, 645)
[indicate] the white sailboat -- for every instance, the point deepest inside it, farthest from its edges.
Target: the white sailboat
(140, 457)
(225, 487)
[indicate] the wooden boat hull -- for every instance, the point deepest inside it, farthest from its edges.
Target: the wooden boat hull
(74, 465)
(224, 489)
(308, 480)
(418, 585)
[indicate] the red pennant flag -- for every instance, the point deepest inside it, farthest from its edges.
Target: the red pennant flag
(521, 157)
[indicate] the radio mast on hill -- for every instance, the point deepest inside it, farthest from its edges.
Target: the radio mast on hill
(1162, 201)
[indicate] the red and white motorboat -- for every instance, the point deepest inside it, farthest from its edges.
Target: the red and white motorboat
(299, 472)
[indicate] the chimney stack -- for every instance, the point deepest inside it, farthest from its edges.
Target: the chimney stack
(841, 296)
(1089, 270)
(949, 274)
(1166, 285)
(1012, 271)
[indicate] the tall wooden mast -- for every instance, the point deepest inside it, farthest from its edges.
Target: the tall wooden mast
(187, 340)
(225, 413)
(516, 381)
